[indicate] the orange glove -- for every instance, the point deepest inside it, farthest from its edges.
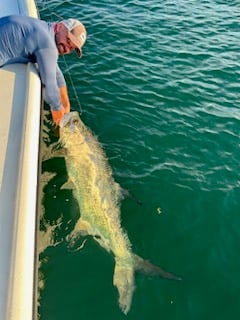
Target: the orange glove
(57, 115)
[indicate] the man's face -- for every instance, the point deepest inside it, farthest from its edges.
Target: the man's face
(63, 41)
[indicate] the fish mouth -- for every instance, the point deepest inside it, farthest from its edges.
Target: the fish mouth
(68, 118)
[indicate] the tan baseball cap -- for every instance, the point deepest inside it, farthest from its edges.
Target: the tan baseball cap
(77, 34)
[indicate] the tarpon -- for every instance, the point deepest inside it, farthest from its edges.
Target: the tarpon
(99, 197)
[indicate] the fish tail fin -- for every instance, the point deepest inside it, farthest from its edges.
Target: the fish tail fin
(146, 267)
(123, 279)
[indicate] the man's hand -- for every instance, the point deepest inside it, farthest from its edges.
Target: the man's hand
(57, 115)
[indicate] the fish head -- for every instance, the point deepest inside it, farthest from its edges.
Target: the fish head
(69, 121)
(70, 126)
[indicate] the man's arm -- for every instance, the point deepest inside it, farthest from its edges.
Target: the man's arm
(47, 64)
(52, 78)
(64, 98)
(63, 90)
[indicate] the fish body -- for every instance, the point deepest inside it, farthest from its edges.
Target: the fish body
(99, 197)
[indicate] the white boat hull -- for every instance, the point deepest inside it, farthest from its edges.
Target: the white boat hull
(20, 96)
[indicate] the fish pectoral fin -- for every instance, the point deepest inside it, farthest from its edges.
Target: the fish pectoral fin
(146, 267)
(60, 153)
(58, 150)
(56, 146)
(83, 227)
(69, 185)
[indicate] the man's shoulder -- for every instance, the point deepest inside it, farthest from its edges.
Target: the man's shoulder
(18, 19)
(41, 32)
(25, 21)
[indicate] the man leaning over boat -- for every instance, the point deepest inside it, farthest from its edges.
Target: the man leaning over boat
(25, 39)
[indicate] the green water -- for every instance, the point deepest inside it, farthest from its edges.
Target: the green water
(159, 85)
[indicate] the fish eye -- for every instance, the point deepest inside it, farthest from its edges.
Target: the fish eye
(75, 121)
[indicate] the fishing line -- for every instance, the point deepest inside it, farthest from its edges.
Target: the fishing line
(73, 86)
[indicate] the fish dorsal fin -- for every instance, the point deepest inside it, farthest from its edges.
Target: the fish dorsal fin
(69, 185)
(126, 194)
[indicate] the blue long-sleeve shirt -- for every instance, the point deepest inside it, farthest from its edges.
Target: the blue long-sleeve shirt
(25, 39)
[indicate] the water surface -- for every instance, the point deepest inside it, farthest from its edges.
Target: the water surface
(159, 85)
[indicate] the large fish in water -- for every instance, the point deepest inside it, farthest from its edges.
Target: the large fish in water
(99, 197)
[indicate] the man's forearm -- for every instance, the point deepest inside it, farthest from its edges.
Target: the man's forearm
(64, 98)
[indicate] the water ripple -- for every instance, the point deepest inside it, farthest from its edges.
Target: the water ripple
(159, 84)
